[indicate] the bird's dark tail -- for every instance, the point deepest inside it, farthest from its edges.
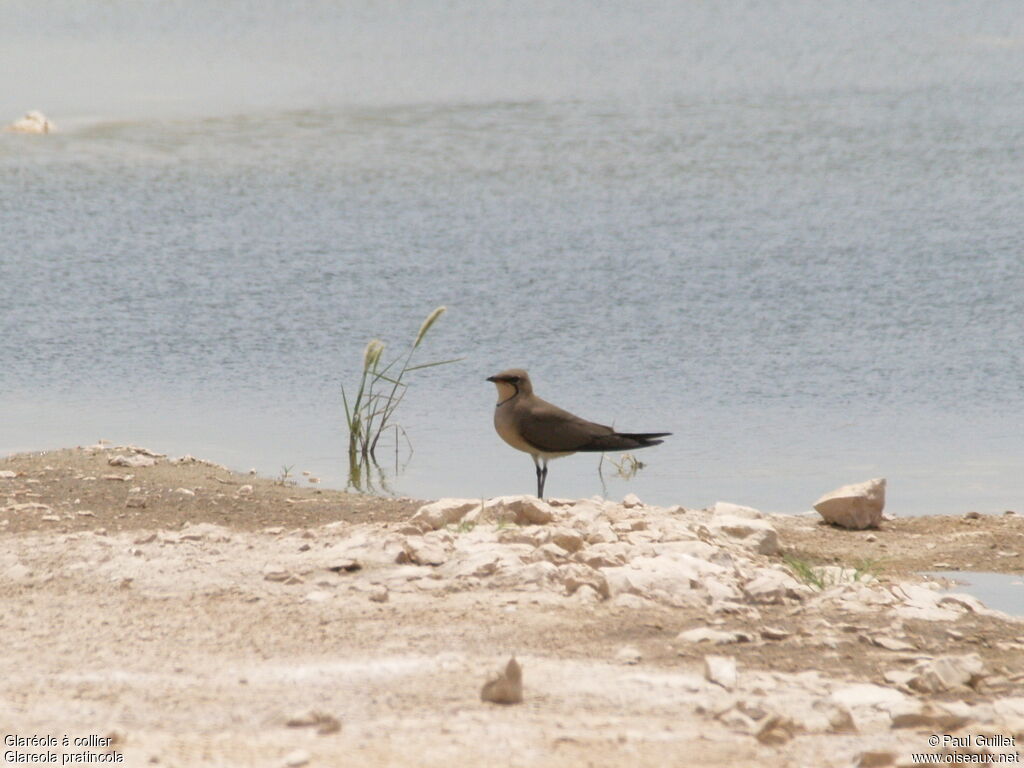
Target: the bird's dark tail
(623, 441)
(644, 439)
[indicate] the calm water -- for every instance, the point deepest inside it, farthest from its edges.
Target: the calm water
(788, 232)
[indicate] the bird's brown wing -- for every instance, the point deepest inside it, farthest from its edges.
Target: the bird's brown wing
(549, 428)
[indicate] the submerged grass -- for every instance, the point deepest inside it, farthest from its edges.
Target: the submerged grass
(381, 390)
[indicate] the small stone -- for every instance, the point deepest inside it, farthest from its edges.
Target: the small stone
(317, 596)
(6, 474)
(891, 643)
(86, 513)
(135, 502)
(773, 633)
(276, 573)
(297, 758)
(708, 635)
(313, 718)
(135, 460)
(628, 654)
(379, 594)
(972, 516)
(184, 492)
(631, 501)
(313, 479)
(245, 490)
(720, 670)
(506, 688)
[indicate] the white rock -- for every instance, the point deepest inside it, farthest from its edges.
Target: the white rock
(245, 490)
(567, 538)
(708, 635)
(721, 670)
(6, 474)
(854, 506)
(423, 551)
(445, 511)
(33, 122)
(947, 673)
(631, 501)
(521, 510)
(726, 509)
(867, 695)
(379, 594)
(317, 596)
(297, 758)
(135, 460)
(756, 535)
(184, 492)
(628, 654)
(773, 587)
(577, 575)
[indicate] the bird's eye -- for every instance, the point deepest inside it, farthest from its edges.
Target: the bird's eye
(514, 380)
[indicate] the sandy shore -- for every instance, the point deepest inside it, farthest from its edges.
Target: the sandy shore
(190, 614)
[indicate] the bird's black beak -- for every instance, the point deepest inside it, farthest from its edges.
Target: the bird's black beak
(491, 378)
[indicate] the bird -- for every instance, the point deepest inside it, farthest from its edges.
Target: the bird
(546, 432)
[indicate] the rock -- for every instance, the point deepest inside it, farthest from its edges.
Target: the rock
(567, 538)
(521, 510)
(34, 121)
(947, 673)
(135, 460)
(757, 535)
(423, 551)
(720, 670)
(725, 509)
(276, 573)
(444, 512)
(136, 502)
(776, 730)
(313, 718)
(379, 594)
(773, 633)
(576, 575)
(891, 643)
(856, 506)
(507, 687)
(708, 635)
(867, 695)
(245, 490)
(297, 758)
(6, 474)
(631, 501)
(550, 552)
(606, 555)
(184, 492)
(628, 654)
(317, 596)
(772, 587)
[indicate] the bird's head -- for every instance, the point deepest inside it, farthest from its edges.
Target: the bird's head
(511, 383)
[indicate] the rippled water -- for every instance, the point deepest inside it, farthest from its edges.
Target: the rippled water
(787, 232)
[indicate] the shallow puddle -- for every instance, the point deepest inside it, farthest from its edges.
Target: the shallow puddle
(999, 591)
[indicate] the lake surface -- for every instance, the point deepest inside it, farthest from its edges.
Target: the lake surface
(788, 232)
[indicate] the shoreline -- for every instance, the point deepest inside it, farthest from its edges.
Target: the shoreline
(647, 636)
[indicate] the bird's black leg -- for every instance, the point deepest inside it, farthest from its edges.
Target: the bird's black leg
(542, 478)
